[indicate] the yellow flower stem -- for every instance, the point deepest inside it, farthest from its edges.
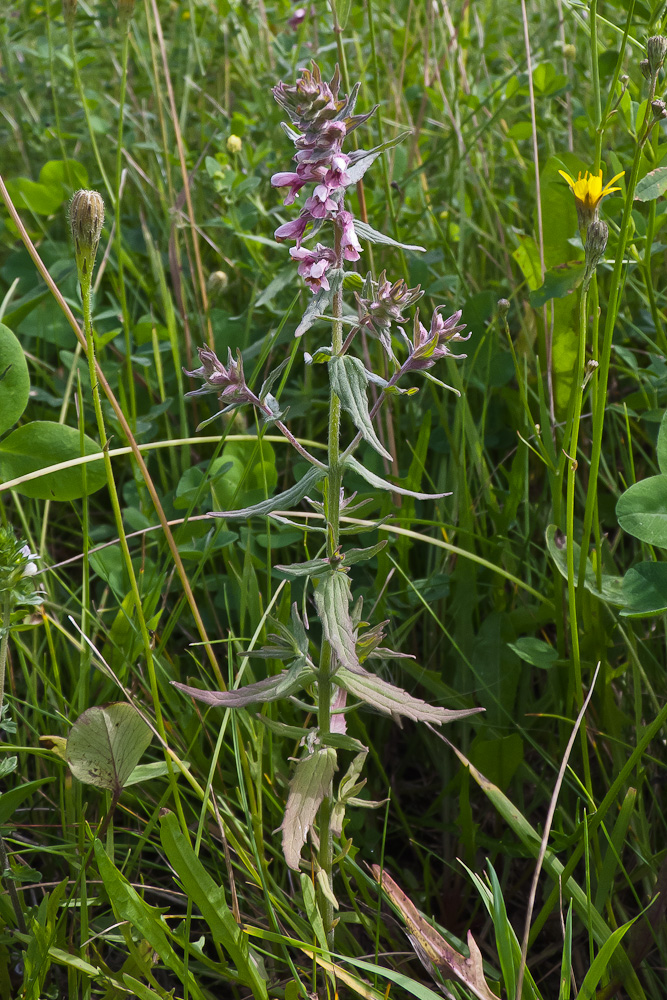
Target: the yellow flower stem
(605, 359)
(572, 445)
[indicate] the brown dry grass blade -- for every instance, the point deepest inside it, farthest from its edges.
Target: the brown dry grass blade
(432, 948)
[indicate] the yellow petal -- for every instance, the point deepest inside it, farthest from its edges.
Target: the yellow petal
(570, 180)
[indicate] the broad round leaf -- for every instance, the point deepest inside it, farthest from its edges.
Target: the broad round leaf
(106, 744)
(537, 652)
(44, 443)
(14, 379)
(645, 590)
(642, 511)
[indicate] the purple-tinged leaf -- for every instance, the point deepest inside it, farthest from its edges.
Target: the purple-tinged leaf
(310, 784)
(332, 600)
(395, 701)
(285, 683)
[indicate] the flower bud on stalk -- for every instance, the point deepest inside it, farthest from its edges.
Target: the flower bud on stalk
(656, 50)
(86, 217)
(596, 244)
(125, 12)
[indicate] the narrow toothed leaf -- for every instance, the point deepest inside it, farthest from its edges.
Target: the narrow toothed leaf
(395, 701)
(332, 600)
(383, 484)
(348, 380)
(366, 232)
(287, 499)
(285, 683)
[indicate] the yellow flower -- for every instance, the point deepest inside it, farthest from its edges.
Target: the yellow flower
(588, 193)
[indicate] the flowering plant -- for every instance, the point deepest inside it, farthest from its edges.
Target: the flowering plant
(320, 121)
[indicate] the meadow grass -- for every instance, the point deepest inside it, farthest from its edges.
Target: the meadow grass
(534, 590)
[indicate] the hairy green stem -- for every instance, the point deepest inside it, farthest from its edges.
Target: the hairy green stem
(605, 360)
(578, 393)
(327, 661)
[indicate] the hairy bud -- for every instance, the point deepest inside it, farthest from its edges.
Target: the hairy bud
(656, 50)
(86, 217)
(597, 235)
(503, 307)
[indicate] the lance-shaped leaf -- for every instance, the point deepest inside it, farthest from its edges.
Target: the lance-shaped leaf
(354, 556)
(106, 744)
(361, 159)
(434, 951)
(332, 600)
(395, 701)
(348, 380)
(291, 496)
(311, 782)
(383, 484)
(285, 683)
(311, 567)
(366, 232)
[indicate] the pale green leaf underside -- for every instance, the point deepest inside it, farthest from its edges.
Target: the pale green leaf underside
(383, 484)
(311, 782)
(348, 380)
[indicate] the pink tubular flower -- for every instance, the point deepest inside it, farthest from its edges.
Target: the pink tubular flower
(349, 242)
(293, 230)
(313, 265)
(320, 205)
(297, 18)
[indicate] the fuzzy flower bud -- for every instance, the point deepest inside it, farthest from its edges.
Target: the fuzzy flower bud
(86, 216)
(503, 307)
(125, 12)
(234, 144)
(569, 51)
(596, 244)
(659, 110)
(656, 50)
(645, 68)
(217, 283)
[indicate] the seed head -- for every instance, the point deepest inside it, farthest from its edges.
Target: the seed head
(86, 216)
(217, 283)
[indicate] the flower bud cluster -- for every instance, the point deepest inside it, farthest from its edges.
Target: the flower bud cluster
(324, 120)
(228, 383)
(428, 346)
(381, 304)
